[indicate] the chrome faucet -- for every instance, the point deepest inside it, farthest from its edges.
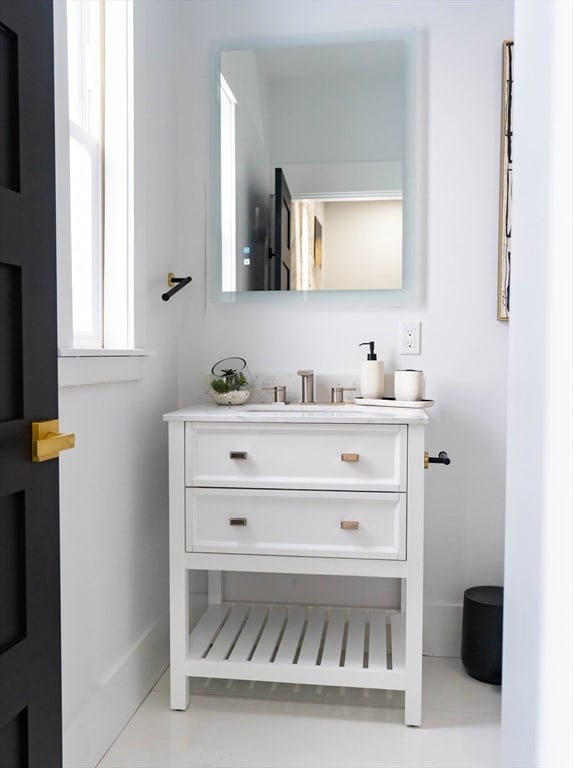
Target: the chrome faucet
(307, 386)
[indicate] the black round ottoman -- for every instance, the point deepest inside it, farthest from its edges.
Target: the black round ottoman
(482, 632)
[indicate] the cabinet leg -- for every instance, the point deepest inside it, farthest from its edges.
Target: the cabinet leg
(412, 597)
(179, 691)
(413, 706)
(179, 635)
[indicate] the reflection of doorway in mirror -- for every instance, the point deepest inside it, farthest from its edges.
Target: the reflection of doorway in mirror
(317, 244)
(302, 245)
(359, 245)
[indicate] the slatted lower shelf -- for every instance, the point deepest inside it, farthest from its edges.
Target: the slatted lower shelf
(299, 644)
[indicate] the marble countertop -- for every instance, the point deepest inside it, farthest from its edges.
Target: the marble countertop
(293, 413)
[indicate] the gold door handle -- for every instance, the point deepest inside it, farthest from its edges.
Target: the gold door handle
(349, 525)
(349, 456)
(47, 442)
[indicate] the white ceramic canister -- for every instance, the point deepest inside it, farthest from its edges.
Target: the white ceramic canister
(409, 385)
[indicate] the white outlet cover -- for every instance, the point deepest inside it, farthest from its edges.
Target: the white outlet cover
(410, 338)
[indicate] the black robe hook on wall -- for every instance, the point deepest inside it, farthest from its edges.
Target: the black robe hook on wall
(175, 284)
(441, 458)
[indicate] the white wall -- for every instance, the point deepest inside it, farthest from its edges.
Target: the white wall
(362, 244)
(464, 347)
(114, 484)
(537, 707)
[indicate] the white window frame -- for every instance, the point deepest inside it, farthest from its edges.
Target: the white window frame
(114, 276)
(91, 336)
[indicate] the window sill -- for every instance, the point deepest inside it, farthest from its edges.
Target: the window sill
(83, 367)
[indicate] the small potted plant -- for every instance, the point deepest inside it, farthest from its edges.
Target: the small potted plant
(230, 381)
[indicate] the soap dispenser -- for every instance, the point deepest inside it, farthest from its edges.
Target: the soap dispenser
(371, 374)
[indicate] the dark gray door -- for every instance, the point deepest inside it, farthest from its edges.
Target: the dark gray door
(282, 235)
(30, 687)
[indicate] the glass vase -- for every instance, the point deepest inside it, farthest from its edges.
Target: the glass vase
(230, 381)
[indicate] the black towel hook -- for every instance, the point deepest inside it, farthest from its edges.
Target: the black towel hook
(175, 284)
(441, 458)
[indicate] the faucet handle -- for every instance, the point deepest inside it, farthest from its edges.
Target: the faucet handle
(337, 394)
(279, 393)
(305, 373)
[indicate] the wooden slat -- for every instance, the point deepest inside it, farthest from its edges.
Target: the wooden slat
(354, 657)
(377, 650)
(228, 633)
(294, 673)
(398, 634)
(267, 644)
(206, 629)
(249, 634)
(334, 636)
(313, 635)
(291, 636)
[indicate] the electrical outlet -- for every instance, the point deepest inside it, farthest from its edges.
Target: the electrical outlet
(410, 338)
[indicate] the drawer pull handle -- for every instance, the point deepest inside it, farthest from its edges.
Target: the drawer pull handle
(238, 455)
(237, 521)
(349, 456)
(349, 525)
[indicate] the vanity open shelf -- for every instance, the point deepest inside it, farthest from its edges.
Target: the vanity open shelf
(325, 495)
(352, 647)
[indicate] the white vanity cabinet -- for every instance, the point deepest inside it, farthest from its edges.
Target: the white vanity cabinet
(335, 492)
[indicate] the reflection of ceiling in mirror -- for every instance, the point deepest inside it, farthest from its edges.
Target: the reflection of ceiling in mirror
(330, 60)
(329, 104)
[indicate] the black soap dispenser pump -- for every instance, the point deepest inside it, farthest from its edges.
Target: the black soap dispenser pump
(371, 374)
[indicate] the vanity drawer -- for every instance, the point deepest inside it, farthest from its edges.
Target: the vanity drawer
(297, 523)
(313, 456)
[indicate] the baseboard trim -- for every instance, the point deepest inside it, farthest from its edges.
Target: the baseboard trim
(117, 697)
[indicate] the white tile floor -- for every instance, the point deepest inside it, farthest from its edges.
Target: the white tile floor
(235, 724)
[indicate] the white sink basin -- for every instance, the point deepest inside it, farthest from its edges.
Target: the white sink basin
(302, 408)
(313, 412)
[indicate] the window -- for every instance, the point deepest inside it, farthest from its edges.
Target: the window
(99, 94)
(86, 169)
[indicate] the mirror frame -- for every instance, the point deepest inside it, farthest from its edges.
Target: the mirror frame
(414, 173)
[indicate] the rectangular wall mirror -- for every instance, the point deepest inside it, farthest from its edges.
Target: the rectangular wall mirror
(317, 167)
